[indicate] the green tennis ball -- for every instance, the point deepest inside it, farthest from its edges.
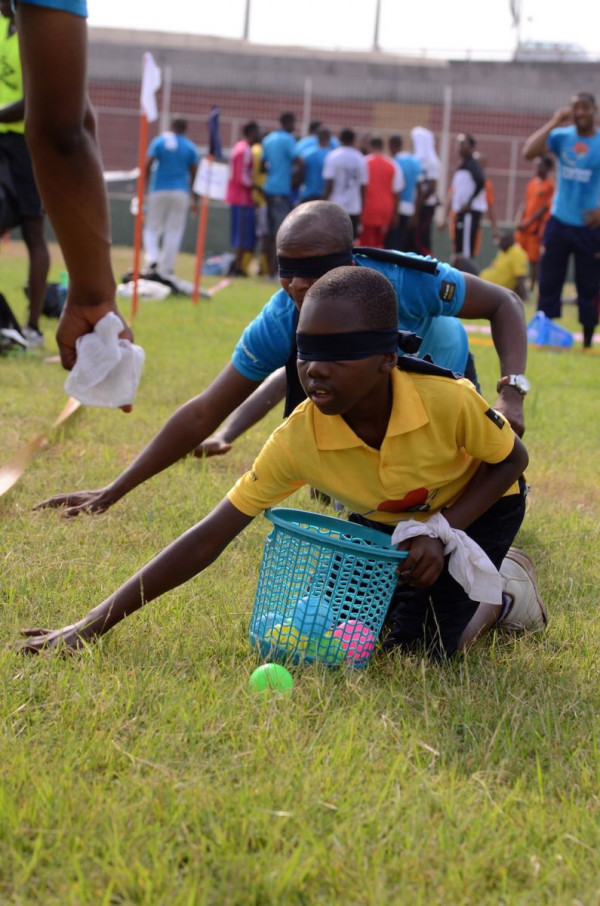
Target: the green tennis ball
(330, 649)
(271, 678)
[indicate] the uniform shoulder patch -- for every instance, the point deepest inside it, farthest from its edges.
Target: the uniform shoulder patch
(447, 291)
(495, 417)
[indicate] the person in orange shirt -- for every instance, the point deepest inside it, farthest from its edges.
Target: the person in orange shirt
(382, 194)
(534, 212)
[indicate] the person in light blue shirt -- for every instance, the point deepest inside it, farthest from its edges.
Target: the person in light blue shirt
(278, 154)
(311, 141)
(171, 166)
(309, 165)
(573, 229)
(402, 236)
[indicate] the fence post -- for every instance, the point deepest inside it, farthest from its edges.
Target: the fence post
(445, 146)
(165, 107)
(512, 181)
(307, 105)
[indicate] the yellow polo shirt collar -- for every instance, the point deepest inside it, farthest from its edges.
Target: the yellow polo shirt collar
(408, 414)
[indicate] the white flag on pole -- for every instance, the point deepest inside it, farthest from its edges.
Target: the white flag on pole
(150, 84)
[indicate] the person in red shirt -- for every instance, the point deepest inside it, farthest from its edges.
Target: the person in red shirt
(382, 192)
(534, 212)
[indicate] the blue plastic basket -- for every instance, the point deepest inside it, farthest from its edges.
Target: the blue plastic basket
(542, 331)
(323, 591)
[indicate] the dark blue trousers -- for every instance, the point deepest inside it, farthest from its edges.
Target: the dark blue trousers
(560, 242)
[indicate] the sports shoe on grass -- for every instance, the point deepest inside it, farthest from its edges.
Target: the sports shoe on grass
(35, 339)
(526, 612)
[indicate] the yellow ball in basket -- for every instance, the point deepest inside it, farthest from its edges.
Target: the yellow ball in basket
(285, 635)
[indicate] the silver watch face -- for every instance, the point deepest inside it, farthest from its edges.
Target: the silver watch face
(520, 382)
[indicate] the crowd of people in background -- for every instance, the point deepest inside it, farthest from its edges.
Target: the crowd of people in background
(392, 193)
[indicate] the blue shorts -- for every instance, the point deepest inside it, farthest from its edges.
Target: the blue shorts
(77, 7)
(243, 231)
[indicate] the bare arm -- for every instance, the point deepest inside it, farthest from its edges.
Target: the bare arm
(184, 430)
(190, 554)
(536, 143)
(327, 188)
(61, 136)
(252, 410)
(504, 310)
(537, 215)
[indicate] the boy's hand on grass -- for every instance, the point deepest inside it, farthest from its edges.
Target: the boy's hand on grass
(80, 502)
(39, 641)
(212, 446)
(424, 563)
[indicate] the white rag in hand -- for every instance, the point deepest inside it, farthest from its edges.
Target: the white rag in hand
(108, 370)
(468, 564)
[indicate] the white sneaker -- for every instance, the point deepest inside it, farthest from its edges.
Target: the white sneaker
(527, 612)
(35, 339)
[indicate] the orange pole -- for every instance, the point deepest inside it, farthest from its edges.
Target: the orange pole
(201, 237)
(139, 217)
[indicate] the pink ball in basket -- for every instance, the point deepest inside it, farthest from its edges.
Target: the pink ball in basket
(357, 639)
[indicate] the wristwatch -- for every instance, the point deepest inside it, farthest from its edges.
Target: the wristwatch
(518, 381)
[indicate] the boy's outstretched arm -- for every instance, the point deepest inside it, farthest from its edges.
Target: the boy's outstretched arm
(183, 431)
(265, 397)
(184, 558)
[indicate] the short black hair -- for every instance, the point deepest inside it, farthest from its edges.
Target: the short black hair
(347, 136)
(587, 96)
(369, 297)
(287, 118)
(468, 138)
(249, 128)
(377, 143)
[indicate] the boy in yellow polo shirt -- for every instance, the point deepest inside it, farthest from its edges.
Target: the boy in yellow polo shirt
(510, 266)
(388, 442)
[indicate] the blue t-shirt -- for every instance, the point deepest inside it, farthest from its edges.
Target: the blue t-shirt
(313, 172)
(278, 154)
(175, 154)
(310, 142)
(578, 185)
(411, 168)
(78, 7)
(266, 343)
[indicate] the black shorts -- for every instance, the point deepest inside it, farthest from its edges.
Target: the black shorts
(13, 148)
(434, 618)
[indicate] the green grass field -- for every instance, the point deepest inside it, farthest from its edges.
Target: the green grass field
(144, 771)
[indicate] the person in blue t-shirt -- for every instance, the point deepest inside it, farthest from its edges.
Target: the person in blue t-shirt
(171, 166)
(314, 239)
(574, 225)
(309, 167)
(402, 236)
(278, 153)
